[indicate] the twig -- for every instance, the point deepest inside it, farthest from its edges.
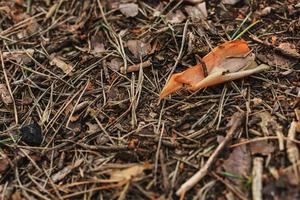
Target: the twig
(236, 122)
(135, 67)
(257, 178)
(164, 171)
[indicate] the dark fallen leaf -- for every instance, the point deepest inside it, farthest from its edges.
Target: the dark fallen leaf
(289, 48)
(261, 147)
(238, 163)
(115, 64)
(4, 95)
(32, 134)
(176, 18)
(4, 163)
(138, 48)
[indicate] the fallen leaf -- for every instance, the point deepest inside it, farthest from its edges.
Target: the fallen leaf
(289, 48)
(65, 171)
(20, 56)
(238, 163)
(5, 96)
(97, 44)
(92, 128)
(202, 7)
(57, 61)
(261, 147)
(176, 18)
(270, 126)
(129, 9)
(115, 64)
(229, 61)
(4, 163)
(127, 174)
(32, 27)
(138, 48)
(197, 12)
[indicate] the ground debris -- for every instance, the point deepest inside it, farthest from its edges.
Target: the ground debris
(60, 63)
(270, 126)
(60, 175)
(5, 95)
(90, 73)
(238, 164)
(129, 9)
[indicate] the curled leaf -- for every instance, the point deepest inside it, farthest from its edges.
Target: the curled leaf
(229, 61)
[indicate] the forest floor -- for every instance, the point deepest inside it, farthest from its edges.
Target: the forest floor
(80, 119)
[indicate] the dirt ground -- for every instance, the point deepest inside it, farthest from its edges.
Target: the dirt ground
(80, 115)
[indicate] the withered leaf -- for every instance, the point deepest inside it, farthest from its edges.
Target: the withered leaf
(238, 163)
(57, 61)
(138, 48)
(261, 147)
(127, 174)
(5, 96)
(129, 9)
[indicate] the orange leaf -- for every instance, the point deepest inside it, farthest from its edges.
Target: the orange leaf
(229, 57)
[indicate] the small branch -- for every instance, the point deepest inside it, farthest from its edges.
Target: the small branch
(257, 178)
(135, 67)
(235, 123)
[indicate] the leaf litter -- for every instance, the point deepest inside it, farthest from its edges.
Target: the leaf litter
(112, 90)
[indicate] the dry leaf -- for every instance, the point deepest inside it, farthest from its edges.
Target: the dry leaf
(289, 48)
(32, 27)
(67, 68)
(202, 7)
(196, 13)
(92, 128)
(261, 147)
(138, 48)
(5, 96)
(115, 64)
(238, 163)
(65, 171)
(229, 61)
(269, 126)
(97, 44)
(129, 9)
(4, 163)
(127, 174)
(20, 56)
(176, 18)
